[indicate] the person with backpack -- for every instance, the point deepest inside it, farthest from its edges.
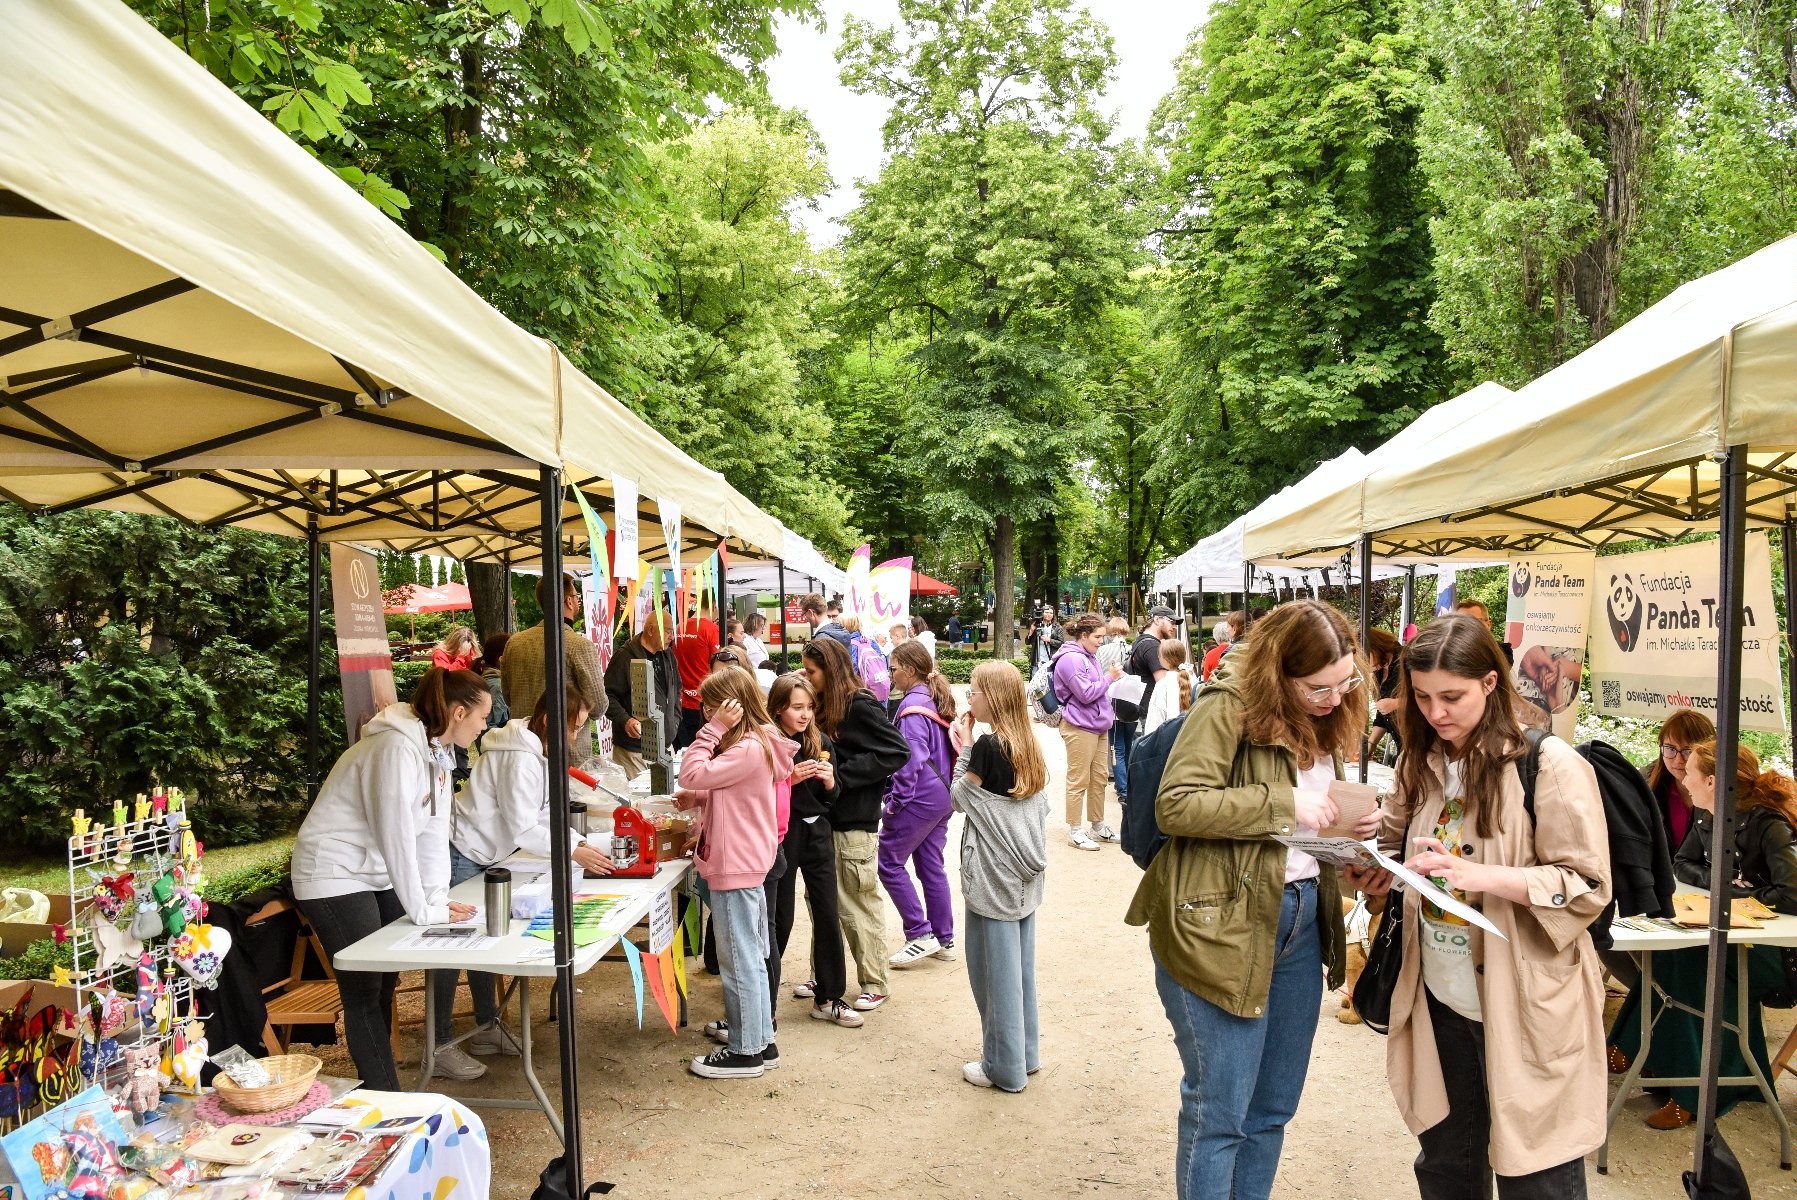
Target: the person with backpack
(1766, 869)
(914, 823)
(1086, 717)
(1000, 784)
(1495, 1050)
(868, 750)
(1243, 929)
(870, 661)
(1143, 660)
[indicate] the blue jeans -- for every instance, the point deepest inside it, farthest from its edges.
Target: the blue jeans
(739, 917)
(482, 986)
(1244, 1075)
(1001, 968)
(1123, 740)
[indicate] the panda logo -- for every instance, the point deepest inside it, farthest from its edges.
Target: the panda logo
(1624, 607)
(1519, 579)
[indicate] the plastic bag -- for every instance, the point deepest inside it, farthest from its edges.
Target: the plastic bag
(245, 1071)
(24, 906)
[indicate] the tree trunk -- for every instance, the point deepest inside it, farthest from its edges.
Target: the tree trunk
(1052, 568)
(486, 587)
(1004, 589)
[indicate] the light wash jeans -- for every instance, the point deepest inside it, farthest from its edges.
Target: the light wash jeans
(1001, 967)
(739, 918)
(1244, 1075)
(482, 985)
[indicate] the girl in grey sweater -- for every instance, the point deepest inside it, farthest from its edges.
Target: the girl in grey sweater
(999, 783)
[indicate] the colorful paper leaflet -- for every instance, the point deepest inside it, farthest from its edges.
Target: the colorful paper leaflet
(589, 913)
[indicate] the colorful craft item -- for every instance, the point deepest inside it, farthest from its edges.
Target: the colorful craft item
(116, 946)
(146, 986)
(114, 895)
(200, 951)
(190, 1054)
(80, 823)
(123, 857)
(148, 923)
(60, 933)
(61, 977)
(143, 1078)
(118, 815)
(140, 812)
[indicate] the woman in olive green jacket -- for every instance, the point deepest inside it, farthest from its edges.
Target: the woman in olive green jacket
(1243, 929)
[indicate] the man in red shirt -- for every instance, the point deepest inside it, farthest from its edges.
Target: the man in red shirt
(694, 645)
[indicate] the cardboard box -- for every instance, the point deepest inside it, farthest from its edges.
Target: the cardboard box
(15, 936)
(43, 994)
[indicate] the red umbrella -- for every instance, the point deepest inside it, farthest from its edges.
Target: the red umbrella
(923, 585)
(410, 599)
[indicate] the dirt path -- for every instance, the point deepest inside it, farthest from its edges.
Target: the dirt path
(883, 1111)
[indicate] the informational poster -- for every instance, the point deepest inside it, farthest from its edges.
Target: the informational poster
(889, 596)
(859, 599)
(661, 922)
(364, 659)
(624, 518)
(1544, 620)
(1654, 641)
(1445, 592)
(598, 615)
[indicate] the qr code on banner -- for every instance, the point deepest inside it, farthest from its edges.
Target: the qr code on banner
(1612, 693)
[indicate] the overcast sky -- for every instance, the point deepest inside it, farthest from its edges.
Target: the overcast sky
(1148, 33)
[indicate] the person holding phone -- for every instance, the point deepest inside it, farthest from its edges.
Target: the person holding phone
(1496, 1045)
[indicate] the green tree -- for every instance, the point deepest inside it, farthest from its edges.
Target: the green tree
(1298, 259)
(741, 294)
(998, 229)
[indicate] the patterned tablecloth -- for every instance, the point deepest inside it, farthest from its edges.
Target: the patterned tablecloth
(449, 1160)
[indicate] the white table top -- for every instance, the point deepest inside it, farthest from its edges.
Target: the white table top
(518, 953)
(1780, 930)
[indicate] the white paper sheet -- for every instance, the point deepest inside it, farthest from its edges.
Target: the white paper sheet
(1441, 899)
(422, 940)
(1127, 689)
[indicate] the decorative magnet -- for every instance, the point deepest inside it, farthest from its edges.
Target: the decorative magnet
(200, 951)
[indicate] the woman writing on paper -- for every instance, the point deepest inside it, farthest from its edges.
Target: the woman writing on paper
(1495, 1051)
(1765, 869)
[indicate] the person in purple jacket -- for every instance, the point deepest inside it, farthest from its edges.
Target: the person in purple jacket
(1084, 691)
(918, 806)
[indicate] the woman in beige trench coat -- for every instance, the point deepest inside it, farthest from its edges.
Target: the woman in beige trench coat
(1496, 1047)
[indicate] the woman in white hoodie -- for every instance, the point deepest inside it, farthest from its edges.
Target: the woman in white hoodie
(504, 808)
(375, 846)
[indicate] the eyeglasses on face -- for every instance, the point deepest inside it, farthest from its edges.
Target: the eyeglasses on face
(1672, 753)
(1322, 695)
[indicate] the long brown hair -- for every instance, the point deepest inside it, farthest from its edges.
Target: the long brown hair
(734, 683)
(915, 659)
(1175, 654)
(840, 681)
(779, 699)
(1295, 640)
(1754, 788)
(1462, 645)
(1001, 685)
(1686, 727)
(572, 701)
(440, 691)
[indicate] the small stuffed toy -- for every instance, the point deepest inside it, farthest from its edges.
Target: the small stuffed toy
(200, 951)
(143, 1088)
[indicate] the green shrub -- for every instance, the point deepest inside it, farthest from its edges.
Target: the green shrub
(958, 668)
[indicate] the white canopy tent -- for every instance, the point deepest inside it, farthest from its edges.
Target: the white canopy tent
(1218, 564)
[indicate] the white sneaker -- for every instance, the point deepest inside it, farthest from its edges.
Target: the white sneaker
(975, 1075)
(947, 953)
(1079, 839)
(1104, 833)
(491, 1041)
(451, 1063)
(916, 950)
(805, 991)
(838, 1012)
(868, 1001)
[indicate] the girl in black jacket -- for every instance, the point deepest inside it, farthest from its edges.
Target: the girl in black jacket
(868, 749)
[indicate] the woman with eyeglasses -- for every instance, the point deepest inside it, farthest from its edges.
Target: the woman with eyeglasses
(1766, 869)
(1682, 731)
(1494, 1052)
(1244, 930)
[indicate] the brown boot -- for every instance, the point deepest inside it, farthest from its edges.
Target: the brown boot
(1619, 1062)
(1672, 1116)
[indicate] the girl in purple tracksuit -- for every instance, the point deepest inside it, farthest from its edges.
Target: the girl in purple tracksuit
(1086, 715)
(918, 806)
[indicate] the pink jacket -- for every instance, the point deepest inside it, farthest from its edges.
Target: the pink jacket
(738, 829)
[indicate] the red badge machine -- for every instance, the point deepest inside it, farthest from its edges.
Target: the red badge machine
(640, 843)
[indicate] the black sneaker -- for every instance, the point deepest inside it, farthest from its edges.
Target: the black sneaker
(770, 1056)
(718, 1031)
(722, 1064)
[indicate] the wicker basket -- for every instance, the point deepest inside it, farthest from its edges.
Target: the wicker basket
(292, 1074)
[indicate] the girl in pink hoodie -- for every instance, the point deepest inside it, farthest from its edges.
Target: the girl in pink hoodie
(730, 772)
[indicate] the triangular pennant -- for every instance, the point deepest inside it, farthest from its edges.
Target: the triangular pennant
(634, 957)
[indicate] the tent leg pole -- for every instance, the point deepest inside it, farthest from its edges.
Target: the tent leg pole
(1247, 592)
(511, 624)
(1728, 720)
(1366, 629)
(555, 686)
(723, 596)
(785, 643)
(314, 636)
(1407, 617)
(1788, 548)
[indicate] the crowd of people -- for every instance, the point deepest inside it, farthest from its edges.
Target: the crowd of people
(845, 774)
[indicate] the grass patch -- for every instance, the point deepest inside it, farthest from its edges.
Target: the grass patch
(227, 870)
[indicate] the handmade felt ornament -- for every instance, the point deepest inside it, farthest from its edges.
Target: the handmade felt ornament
(183, 1063)
(116, 896)
(116, 946)
(147, 986)
(143, 1086)
(200, 951)
(59, 1073)
(148, 922)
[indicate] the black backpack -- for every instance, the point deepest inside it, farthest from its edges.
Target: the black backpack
(1142, 836)
(1529, 768)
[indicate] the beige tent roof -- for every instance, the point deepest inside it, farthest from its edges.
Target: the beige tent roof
(199, 319)
(1328, 514)
(1621, 442)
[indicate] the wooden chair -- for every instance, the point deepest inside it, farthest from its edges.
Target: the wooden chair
(1782, 1060)
(296, 1000)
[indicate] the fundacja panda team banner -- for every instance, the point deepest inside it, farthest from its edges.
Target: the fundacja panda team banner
(1654, 645)
(1544, 621)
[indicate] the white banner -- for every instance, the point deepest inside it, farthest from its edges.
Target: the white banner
(670, 532)
(1545, 623)
(859, 600)
(626, 547)
(889, 587)
(1654, 646)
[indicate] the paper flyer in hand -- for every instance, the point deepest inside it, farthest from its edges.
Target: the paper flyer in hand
(1346, 852)
(1336, 851)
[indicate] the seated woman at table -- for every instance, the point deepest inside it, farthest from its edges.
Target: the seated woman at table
(504, 808)
(1766, 869)
(375, 846)
(1666, 775)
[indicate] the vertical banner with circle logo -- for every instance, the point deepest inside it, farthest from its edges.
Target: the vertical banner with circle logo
(1544, 621)
(1654, 643)
(364, 660)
